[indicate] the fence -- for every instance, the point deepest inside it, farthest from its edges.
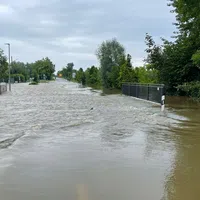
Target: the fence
(12, 80)
(150, 92)
(3, 87)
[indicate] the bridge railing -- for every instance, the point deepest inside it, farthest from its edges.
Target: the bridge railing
(150, 92)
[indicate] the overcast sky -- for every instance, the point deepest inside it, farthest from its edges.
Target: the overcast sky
(71, 30)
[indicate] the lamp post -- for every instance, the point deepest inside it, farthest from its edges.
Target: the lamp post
(8, 44)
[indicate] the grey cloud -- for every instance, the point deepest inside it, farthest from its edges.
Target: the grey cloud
(73, 29)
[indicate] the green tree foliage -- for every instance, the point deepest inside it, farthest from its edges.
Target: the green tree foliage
(147, 75)
(114, 77)
(109, 54)
(18, 77)
(30, 70)
(90, 77)
(196, 58)
(173, 62)
(188, 18)
(19, 69)
(35, 77)
(80, 76)
(43, 68)
(127, 72)
(178, 62)
(93, 77)
(116, 68)
(191, 89)
(67, 72)
(3, 66)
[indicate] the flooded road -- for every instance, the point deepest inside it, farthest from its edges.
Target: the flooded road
(60, 141)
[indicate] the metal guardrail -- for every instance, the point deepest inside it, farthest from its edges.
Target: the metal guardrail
(3, 87)
(150, 92)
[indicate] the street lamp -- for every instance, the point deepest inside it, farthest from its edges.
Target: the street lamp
(9, 65)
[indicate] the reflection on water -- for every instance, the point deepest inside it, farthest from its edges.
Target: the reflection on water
(62, 141)
(184, 180)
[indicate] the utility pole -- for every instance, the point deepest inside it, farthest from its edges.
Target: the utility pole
(9, 65)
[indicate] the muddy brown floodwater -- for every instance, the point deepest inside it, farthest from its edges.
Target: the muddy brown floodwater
(62, 142)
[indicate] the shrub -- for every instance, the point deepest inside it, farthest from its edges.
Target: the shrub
(191, 89)
(33, 83)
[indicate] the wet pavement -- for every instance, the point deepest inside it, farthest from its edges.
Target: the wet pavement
(60, 141)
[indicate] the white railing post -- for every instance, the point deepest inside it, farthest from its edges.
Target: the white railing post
(163, 103)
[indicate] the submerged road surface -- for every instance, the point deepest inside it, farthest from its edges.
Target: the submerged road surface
(62, 142)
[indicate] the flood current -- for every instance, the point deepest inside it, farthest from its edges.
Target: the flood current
(59, 141)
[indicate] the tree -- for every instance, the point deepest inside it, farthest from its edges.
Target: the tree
(18, 77)
(83, 79)
(128, 61)
(92, 75)
(18, 69)
(196, 58)
(35, 77)
(29, 70)
(173, 62)
(146, 74)
(67, 72)
(44, 67)
(188, 18)
(127, 73)
(114, 77)
(178, 62)
(70, 71)
(80, 76)
(109, 54)
(3, 65)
